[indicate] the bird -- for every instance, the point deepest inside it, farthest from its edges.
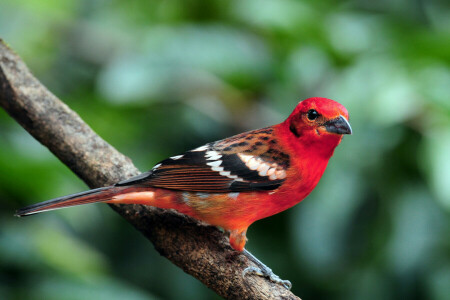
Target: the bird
(236, 181)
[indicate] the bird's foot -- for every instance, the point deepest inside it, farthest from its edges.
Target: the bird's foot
(267, 273)
(264, 271)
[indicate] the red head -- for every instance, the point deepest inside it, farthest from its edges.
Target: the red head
(320, 122)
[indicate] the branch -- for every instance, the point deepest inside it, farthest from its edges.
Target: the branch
(200, 250)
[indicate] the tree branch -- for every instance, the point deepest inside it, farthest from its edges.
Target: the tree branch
(200, 250)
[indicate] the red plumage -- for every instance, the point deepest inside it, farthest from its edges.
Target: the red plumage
(233, 182)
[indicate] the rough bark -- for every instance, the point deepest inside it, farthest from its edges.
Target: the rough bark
(200, 250)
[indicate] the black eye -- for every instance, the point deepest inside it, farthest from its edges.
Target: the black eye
(312, 114)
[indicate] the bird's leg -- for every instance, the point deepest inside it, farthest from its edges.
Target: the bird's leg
(263, 270)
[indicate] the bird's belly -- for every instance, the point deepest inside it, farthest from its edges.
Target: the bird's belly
(236, 210)
(225, 210)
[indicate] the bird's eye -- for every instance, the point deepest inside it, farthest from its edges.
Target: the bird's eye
(312, 114)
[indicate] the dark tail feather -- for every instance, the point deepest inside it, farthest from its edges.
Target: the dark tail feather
(91, 196)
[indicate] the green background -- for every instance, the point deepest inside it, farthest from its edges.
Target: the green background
(156, 78)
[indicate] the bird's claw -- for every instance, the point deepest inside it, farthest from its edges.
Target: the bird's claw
(267, 273)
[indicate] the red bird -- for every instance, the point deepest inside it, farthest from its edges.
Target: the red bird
(233, 182)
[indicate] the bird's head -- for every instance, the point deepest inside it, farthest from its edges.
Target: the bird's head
(319, 120)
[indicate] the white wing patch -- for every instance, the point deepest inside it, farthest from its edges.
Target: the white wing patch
(217, 169)
(215, 163)
(228, 174)
(201, 148)
(273, 171)
(176, 157)
(213, 155)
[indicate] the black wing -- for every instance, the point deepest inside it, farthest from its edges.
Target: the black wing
(247, 162)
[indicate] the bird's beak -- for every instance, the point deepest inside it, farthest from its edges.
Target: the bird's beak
(339, 126)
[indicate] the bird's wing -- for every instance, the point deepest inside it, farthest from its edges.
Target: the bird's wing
(250, 161)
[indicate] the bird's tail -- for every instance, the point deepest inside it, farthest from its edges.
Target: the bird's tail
(96, 195)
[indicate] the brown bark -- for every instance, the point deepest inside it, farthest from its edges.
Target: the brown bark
(200, 250)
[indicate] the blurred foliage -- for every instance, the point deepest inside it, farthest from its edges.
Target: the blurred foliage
(156, 78)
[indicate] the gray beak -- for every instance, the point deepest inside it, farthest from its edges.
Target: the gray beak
(339, 126)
